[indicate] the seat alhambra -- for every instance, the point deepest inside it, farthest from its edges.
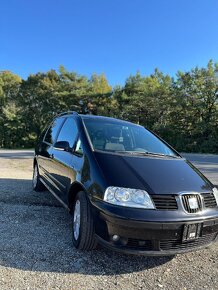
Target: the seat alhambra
(125, 187)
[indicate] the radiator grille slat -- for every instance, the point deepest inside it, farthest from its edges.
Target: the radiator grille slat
(165, 202)
(170, 244)
(209, 200)
(185, 200)
(140, 245)
(177, 244)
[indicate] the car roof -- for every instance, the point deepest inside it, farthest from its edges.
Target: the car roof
(94, 117)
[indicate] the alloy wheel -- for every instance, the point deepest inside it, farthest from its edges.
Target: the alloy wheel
(76, 220)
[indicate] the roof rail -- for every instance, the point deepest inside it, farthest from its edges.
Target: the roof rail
(67, 113)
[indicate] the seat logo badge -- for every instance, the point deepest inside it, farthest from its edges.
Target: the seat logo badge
(193, 202)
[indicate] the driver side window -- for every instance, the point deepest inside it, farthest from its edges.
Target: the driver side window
(68, 132)
(52, 131)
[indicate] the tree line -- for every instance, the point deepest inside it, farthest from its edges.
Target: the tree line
(183, 110)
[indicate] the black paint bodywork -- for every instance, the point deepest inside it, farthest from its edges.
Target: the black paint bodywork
(65, 173)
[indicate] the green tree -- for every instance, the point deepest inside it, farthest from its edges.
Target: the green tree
(73, 90)
(184, 110)
(145, 100)
(9, 116)
(40, 99)
(196, 109)
(99, 96)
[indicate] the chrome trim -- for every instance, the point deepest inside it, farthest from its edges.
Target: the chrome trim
(200, 210)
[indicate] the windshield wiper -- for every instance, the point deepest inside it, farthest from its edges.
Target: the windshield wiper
(161, 154)
(146, 153)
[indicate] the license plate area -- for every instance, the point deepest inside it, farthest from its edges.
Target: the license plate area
(191, 232)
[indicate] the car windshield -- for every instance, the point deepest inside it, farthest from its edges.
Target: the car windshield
(123, 137)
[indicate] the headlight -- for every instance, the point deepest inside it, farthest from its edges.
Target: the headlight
(215, 192)
(128, 197)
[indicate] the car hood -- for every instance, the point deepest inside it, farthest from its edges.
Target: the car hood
(157, 175)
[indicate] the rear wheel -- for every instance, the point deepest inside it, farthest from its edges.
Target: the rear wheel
(83, 223)
(37, 184)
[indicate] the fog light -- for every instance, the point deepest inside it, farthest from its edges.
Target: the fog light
(115, 238)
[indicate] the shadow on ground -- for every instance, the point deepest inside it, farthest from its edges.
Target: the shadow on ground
(35, 235)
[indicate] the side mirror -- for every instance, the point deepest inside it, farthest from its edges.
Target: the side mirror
(62, 145)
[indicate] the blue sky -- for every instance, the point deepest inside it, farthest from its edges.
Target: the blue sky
(115, 37)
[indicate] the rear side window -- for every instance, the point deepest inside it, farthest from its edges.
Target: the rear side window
(68, 132)
(53, 130)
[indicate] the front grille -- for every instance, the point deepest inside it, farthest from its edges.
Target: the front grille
(209, 200)
(169, 202)
(165, 202)
(185, 200)
(140, 245)
(166, 245)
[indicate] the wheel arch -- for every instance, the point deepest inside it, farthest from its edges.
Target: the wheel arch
(74, 189)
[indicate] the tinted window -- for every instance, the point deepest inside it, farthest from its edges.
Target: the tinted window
(53, 130)
(68, 132)
(109, 135)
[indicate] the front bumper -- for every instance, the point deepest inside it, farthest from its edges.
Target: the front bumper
(157, 238)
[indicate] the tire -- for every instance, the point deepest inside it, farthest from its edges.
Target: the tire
(83, 230)
(37, 184)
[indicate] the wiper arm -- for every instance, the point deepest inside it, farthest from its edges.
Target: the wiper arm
(145, 153)
(161, 154)
(130, 152)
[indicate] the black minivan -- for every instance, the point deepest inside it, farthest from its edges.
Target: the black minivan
(126, 188)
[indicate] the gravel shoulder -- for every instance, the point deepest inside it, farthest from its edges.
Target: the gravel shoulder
(36, 250)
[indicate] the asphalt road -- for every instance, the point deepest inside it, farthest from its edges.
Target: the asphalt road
(206, 163)
(36, 250)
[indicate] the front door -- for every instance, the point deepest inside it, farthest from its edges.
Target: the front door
(62, 169)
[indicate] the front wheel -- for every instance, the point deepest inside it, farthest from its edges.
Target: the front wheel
(37, 184)
(83, 223)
